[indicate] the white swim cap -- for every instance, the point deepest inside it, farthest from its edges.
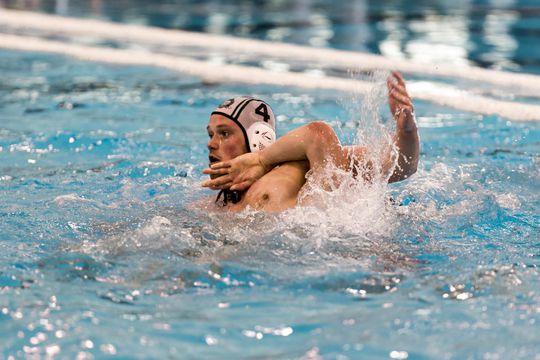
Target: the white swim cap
(255, 118)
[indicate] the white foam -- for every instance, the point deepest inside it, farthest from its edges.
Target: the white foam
(508, 201)
(68, 198)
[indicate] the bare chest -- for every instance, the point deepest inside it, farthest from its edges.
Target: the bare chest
(276, 191)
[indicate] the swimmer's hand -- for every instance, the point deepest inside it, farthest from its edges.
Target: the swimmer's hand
(406, 138)
(236, 174)
(400, 103)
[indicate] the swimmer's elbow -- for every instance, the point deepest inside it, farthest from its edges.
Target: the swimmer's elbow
(320, 130)
(404, 172)
(411, 172)
(412, 166)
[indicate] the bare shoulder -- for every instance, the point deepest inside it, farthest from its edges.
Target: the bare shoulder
(278, 189)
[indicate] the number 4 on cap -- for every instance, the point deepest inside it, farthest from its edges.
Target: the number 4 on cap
(263, 111)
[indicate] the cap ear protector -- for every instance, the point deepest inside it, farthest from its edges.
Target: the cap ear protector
(255, 118)
(260, 136)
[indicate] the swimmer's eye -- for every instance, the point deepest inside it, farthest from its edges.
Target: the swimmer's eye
(225, 133)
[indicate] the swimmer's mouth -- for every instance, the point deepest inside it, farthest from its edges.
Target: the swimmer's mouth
(212, 159)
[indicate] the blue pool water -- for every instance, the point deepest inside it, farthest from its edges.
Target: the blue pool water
(104, 255)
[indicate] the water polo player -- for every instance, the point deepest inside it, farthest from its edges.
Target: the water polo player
(250, 168)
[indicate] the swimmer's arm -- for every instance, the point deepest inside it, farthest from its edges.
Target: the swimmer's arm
(404, 162)
(406, 137)
(318, 143)
(315, 142)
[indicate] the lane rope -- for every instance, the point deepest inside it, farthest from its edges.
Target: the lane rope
(251, 75)
(528, 83)
(438, 93)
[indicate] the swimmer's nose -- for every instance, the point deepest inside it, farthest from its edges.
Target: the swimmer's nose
(212, 143)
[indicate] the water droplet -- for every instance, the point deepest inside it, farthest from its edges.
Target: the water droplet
(52, 350)
(108, 349)
(87, 344)
(210, 340)
(285, 331)
(464, 296)
(399, 354)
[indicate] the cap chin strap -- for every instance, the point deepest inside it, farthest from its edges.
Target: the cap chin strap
(229, 196)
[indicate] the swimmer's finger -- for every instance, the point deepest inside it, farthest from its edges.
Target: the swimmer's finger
(220, 181)
(396, 80)
(399, 89)
(217, 182)
(242, 185)
(398, 77)
(206, 183)
(221, 187)
(399, 95)
(390, 83)
(396, 88)
(221, 165)
(403, 99)
(210, 171)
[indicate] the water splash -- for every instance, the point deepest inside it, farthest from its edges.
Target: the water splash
(335, 205)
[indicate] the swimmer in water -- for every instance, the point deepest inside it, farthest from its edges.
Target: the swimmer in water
(250, 168)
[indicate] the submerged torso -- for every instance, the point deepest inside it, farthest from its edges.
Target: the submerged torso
(276, 191)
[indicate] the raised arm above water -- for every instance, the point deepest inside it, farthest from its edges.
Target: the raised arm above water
(318, 143)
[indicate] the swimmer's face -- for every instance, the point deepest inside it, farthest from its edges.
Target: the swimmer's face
(226, 139)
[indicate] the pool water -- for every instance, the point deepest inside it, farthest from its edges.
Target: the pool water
(104, 254)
